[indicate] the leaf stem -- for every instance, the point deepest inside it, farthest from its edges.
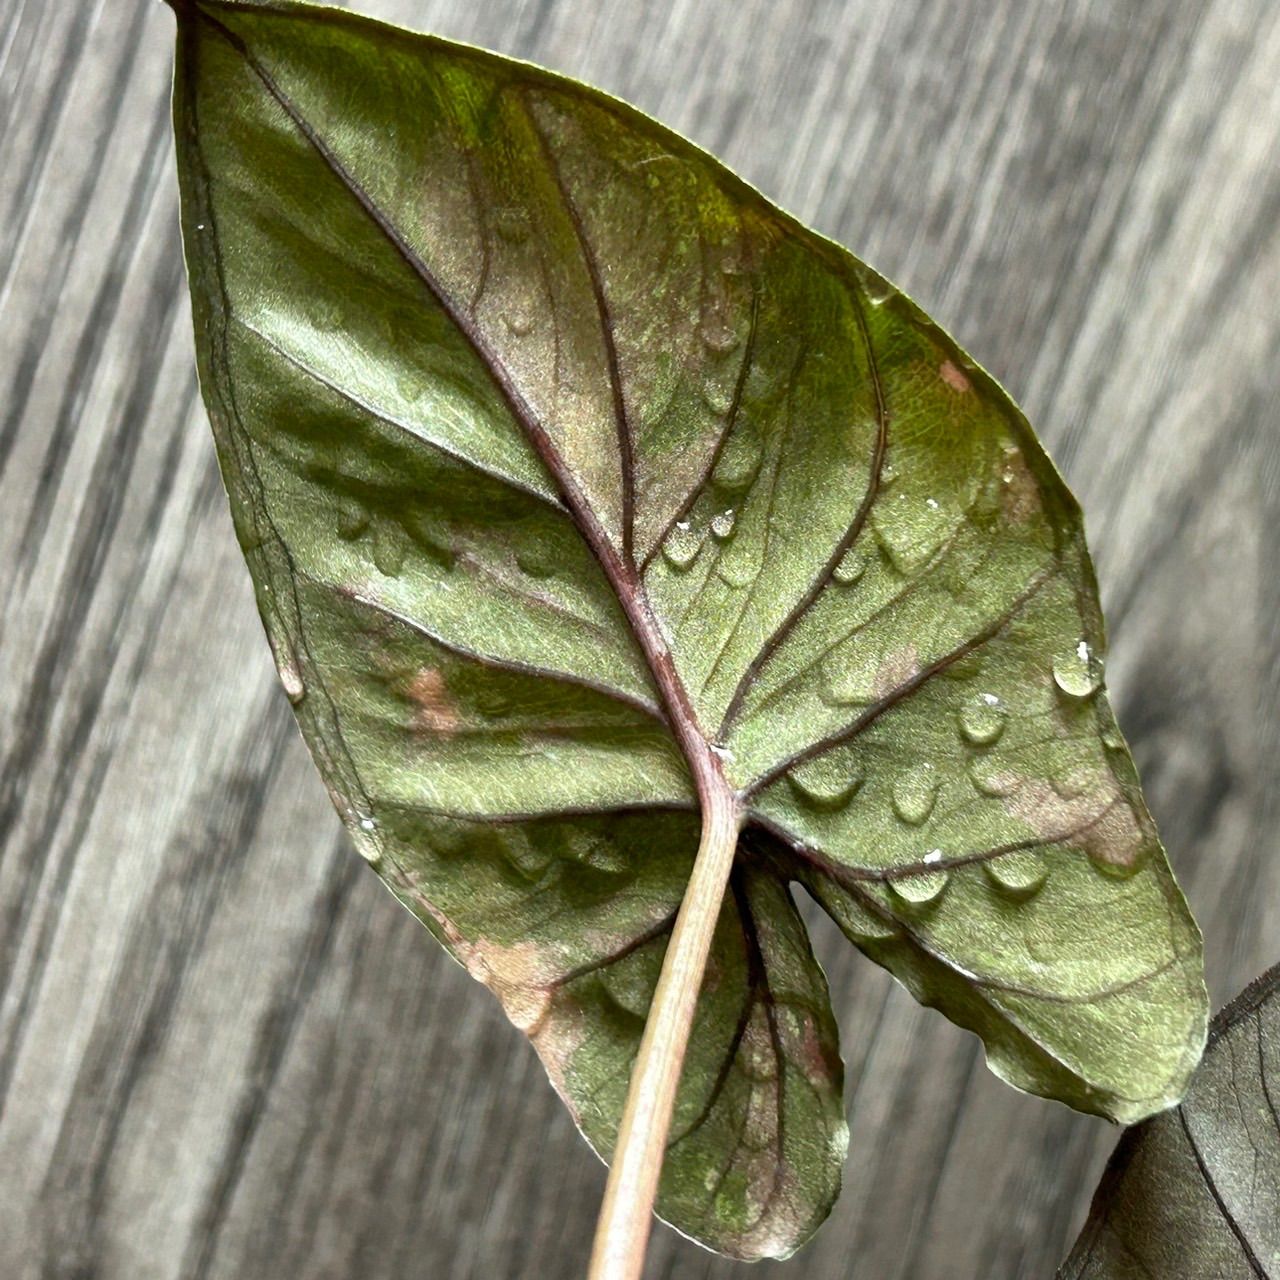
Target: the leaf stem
(626, 1215)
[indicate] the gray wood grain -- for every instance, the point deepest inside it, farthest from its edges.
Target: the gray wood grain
(225, 1052)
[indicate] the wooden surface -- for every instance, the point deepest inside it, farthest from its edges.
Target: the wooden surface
(225, 1052)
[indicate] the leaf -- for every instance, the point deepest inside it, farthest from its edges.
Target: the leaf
(575, 478)
(1195, 1193)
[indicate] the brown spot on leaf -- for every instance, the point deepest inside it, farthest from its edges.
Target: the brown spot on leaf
(1098, 820)
(1019, 490)
(436, 711)
(954, 376)
(895, 670)
(520, 974)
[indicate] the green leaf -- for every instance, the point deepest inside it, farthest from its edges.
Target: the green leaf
(1195, 1193)
(570, 471)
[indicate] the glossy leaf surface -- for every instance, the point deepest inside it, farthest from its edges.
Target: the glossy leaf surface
(1195, 1193)
(559, 456)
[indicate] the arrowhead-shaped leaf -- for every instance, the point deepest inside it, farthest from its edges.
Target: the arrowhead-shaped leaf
(562, 459)
(1195, 1193)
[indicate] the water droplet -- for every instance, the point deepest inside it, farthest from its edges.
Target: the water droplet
(1019, 874)
(629, 984)
(290, 675)
(682, 544)
(512, 225)
(538, 559)
(849, 680)
(759, 1063)
(740, 561)
(717, 334)
(717, 398)
(410, 386)
(368, 824)
(737, 573)
(966, 668)
(920, 887)
(519, 322)
(739, 461)
(1078, 673)
(353, 519)
(598, 852)
(914, 793)
(852, 565)
(909, 542)
(876, 291)
(931, 858)
(1112, 739)
(931, 503)
(824, 785)
(1072, 782)
(982, 720)
(722, 525)
(990, 778)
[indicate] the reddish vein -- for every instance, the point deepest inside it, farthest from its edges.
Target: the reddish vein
(622, 421)
(801, 606)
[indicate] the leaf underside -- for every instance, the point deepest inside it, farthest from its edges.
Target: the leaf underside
(495, 364)
(1195, 1193)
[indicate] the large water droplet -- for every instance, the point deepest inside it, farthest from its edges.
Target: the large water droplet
(920, 887)
(914, 793)
(825, 784)
(1019, 874)
(1078, 673)
(682, 544)
(722, 524)
(982, 719)
(739, 461)
(851, 567)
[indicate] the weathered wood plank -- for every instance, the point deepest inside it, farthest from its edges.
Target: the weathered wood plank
(224, 1051)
